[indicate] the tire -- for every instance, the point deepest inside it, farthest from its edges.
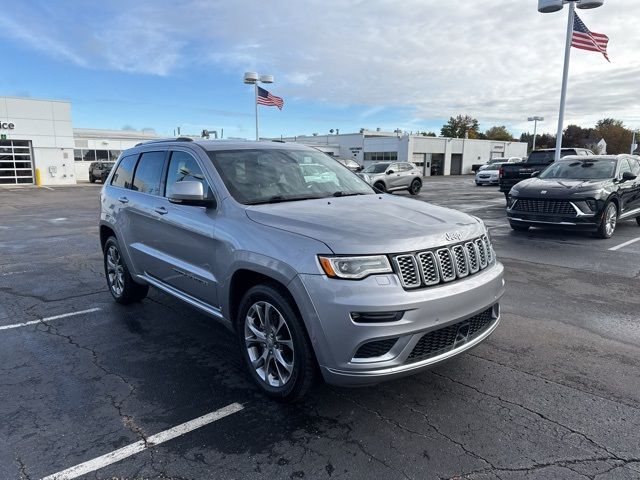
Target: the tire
(609, 221)
(380, 186)
(286, 345)
(638, 221)
(478, 184)
(519, 228)
(92, 179)
(123, 288)
(414, 188)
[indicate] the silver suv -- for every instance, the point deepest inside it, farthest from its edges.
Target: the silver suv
(389, 177)
(312, 276)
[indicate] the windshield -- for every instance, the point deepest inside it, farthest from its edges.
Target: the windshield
(547, 156)
(269, 176)
(587, 169)
(377, 167)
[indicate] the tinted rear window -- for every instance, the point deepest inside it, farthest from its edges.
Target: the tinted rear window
(547, 156)
(149, 173)
(124, 173)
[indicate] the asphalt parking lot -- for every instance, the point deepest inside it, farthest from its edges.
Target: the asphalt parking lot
(554, 393)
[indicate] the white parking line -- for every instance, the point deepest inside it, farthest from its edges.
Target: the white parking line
(139, 446)
(47, 319)
(48, 188)
(618, 247)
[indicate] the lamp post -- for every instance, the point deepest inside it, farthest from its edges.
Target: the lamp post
(253, 78)
(535, 121)
(633, 142)
(550, 6)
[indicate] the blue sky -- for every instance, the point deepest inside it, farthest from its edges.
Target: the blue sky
(338, 63)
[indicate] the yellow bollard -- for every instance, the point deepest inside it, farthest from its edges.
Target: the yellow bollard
(38, 179)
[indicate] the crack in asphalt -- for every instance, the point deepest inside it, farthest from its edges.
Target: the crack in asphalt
(127, 420)
(411, 431)
(43, 299)
(23, 469)
(612, 455)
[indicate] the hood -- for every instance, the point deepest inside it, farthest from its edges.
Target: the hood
(370, 224)
(555, 187)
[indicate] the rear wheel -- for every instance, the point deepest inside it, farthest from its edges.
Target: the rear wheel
(414, 188)
(121, 285)
(609, 221)
(274, 343)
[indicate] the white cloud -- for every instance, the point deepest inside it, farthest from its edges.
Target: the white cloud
(499, 60)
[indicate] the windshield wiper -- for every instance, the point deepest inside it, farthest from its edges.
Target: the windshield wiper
(282, 198)
(343, 194)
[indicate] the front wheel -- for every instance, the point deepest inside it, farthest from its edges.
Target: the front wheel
(638, 220)
(380, 187)
(92, 179)
(274, 343)
(609, 221)
(121, 285)
(414, 188)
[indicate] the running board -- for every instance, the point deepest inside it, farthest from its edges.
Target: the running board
(630, 213)
(194, 302)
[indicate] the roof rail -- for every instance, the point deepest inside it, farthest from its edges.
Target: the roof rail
(166, 140)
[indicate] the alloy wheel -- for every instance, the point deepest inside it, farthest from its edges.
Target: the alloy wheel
(269, 344)
(115, 271)
(611, 219)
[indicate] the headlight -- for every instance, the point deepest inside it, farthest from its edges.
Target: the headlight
(355, 267)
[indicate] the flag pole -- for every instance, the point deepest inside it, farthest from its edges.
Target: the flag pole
(565, 77)
(256, 102)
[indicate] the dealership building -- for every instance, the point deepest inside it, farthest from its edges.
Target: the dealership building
(435, 155)
(39, 134)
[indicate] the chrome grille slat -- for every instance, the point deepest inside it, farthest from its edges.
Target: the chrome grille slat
(446, 264)
(409, 275)
(558, 207)
(429, 268)
(472, 255)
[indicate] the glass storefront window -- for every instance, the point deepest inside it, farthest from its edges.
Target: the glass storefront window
(88, 155)
(77, 155)
(102, 154)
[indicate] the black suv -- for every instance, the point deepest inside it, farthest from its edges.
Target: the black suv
(588, 192)
(99, 171)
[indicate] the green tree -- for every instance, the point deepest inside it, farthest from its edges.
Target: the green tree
(498, 133)
(460, 126)
(428, 134)
(617, 136)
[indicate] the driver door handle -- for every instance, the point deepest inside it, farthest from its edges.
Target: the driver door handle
(123, 200)
(161, 210)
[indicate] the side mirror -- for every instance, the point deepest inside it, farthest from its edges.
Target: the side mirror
(535, 174)
(190, 192)
(359, 168)
(389, 172)
(627, 176)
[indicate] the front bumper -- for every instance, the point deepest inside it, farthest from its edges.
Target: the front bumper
(487, 181)
(339, 337)
(579, 221)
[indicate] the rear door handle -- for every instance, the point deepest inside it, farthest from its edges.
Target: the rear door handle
(123, 200)
(161, 210)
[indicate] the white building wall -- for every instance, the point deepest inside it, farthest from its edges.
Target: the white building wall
(47, 124)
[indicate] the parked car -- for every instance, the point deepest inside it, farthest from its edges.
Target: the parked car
(327, 277)
(510, 174)
(350, 164)
(498, 160)
(579, 192)
(393, 176)
(99, 171)
(488, 175)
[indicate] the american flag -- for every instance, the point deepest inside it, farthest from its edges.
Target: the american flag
(587, 40)
(265, 98)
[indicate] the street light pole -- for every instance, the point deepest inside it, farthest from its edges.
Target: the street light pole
(565, 77)
(535, 121)
(252, 78)
(633, 143)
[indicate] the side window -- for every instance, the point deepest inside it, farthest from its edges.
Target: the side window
(394, 167)
(635, 166)
(123, 175)
(148, 173)
(624, 167)
(405, 167)
(183, 166)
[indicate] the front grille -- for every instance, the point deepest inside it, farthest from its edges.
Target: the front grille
(375, 349)
(443, 340)
(557, 207)
(425, 269)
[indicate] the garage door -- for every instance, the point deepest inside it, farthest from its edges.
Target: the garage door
(16, 162)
